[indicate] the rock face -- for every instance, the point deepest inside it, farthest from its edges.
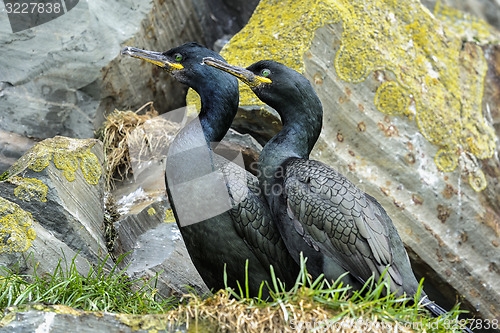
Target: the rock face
(53, 92)
(487, 10)
(147, 227)
(157, 249)
(52, 205)
(59, 318)
(64, 86)
(391, 79)
(12, 147)
(52, 209)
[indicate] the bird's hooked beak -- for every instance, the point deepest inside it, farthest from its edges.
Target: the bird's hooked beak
(241, 73)
(156, 58)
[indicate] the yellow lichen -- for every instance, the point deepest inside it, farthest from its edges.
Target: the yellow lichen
(477, 180)
(16, 232)
(280, 30)
(7, 319)
(90, 167)
(446, 160)
(151, 211)
(144, 322)
(169, 216)
(193, 102)
(41, 161)
(465, 25)
(29, 188)
(429, 64)
(58, 308)
(65, 153)
(391, 99)
(67, 162)
(31, 234)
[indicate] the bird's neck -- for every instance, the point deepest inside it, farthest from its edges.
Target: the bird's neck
(296, 139)
(215, 117)
(217, 113)
(190, 154)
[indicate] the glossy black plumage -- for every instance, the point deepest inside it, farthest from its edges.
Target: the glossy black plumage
(245, 231)
(318, 210)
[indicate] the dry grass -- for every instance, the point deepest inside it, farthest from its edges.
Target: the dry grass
(309, 306)
(222, 313)
(131, 138)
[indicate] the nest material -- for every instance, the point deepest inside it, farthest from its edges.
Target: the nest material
(222, 313)
(131, 138)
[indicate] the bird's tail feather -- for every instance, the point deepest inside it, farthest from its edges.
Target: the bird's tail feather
(437, 311)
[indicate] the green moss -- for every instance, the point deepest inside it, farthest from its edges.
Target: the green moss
(439, 83)
(4, 176)
(16, 232)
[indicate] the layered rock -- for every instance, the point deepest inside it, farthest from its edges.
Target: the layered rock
(147, 227)
(52, 206)
(59, 318)
(157, 250)
(391, 79)
(476, 10)
(404, 119)
(64, 86)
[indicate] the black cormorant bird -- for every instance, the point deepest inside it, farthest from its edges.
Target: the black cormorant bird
(245, 230)
(315, 206)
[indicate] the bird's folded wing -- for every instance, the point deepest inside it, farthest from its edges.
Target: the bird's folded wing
(252, 219)
(335, 217)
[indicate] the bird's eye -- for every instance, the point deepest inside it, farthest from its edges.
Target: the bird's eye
(265, 72)
(178, 57)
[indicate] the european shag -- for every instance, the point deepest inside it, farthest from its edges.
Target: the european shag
(245, 231)
(315, 206)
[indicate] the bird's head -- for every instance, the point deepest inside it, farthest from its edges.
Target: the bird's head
(219, 91)
(184, 63)
(277, 85)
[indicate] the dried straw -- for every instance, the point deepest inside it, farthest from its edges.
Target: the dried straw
(147, 135)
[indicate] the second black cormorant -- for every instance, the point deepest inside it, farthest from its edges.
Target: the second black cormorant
(317, 209)
(245, 231)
